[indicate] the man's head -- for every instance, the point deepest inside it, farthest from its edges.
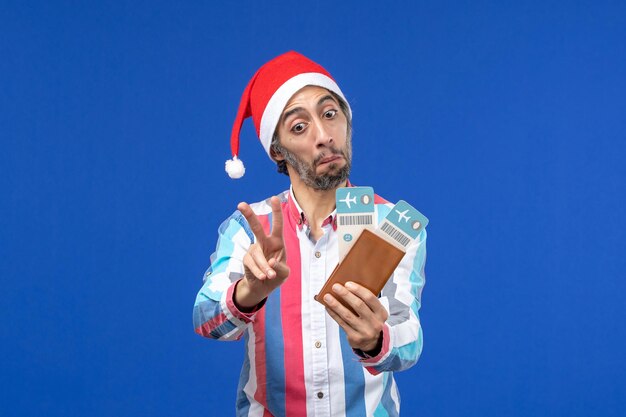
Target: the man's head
(313, 138)
(268, 97)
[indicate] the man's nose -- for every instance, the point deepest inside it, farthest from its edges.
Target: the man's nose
(323, 136)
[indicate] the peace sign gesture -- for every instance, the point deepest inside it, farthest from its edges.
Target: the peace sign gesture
(265, 262)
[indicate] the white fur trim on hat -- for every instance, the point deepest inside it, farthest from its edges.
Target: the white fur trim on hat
(276, 104)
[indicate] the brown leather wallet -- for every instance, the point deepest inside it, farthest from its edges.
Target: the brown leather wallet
(370, 263)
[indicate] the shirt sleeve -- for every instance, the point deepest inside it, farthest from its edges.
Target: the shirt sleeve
(215, 315)
(402, 332)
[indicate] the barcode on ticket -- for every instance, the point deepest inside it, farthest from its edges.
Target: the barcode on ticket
(395, 234)
(356, 220)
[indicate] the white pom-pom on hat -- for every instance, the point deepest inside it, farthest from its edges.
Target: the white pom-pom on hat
(235, 168)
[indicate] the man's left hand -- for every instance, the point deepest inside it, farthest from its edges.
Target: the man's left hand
(364, 329)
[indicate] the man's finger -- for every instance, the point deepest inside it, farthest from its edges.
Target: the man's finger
(370, 299)
(357, 304)
(347, 317)
(281, 268)
(253, 221)
(259, 259)
(277, 217)
(249, 263)
(345, 326)
(281, 256)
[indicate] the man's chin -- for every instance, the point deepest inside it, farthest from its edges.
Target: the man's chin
(331, 178)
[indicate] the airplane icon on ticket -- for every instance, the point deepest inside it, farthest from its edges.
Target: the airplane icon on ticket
(402, 215)
(349, 200)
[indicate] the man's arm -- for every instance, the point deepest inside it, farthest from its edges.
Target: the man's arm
(384, 342)
(402, 335)
(246, 267)
(265, 263)
(214, 313)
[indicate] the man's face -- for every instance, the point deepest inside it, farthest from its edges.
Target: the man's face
(313, 139)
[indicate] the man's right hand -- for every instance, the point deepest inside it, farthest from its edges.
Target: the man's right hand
(265, 263)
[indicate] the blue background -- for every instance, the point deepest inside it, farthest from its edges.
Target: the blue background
(503, 122)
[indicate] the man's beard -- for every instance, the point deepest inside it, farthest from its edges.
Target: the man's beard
(326, 181)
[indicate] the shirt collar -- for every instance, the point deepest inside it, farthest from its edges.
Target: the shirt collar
(295, 211)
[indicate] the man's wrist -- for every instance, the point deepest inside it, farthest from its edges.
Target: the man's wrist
(244, 298)
(375, 351)
(377, 348)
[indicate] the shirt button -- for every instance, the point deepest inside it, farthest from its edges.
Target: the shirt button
(299, 221)
(318, 344)
(318, 254)
(320, 395)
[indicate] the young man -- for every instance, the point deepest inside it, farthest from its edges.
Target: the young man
(272, 257)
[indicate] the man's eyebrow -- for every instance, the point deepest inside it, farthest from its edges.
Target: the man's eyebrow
(299, 109)
(325, 99)
(291, 112)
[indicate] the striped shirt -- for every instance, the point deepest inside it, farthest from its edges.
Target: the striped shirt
(298, 361)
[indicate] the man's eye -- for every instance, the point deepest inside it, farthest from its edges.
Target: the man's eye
(299, 128)
(330, 114)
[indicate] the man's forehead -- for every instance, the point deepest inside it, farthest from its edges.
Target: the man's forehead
(307, 93)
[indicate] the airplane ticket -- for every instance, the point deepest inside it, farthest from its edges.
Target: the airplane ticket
(355, 212)
(402, 225)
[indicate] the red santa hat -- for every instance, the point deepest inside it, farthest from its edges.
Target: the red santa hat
(267, 94)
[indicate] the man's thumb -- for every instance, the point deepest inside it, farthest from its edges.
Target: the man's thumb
(281, 268)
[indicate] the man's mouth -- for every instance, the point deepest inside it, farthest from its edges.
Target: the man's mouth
(329, 159)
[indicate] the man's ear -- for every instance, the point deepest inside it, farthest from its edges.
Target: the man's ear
(276, 155)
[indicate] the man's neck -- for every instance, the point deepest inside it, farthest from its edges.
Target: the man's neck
(316, 204)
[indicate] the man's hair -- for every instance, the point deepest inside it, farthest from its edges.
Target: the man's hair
(282, 165)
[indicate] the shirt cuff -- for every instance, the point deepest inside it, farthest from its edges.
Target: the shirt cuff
(384, 350)
(233, 310)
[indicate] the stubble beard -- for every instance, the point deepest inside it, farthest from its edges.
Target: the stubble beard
(307, 172)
